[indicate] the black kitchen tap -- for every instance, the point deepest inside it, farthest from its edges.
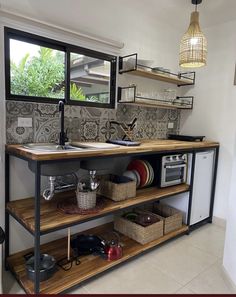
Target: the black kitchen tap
(62, 135)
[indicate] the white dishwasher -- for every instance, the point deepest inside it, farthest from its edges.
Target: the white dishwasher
(202, 186)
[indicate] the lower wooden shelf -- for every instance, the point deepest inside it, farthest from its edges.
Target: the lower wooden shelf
(52, 218)
(90, 265)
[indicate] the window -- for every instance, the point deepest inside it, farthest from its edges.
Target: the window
(44, 70)
(89, 79)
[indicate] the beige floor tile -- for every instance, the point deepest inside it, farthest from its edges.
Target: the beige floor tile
(211, 281)
(79, 290)
(209, 238)
(10, 285)
(133, 278)
(184, 290)
(180, 261)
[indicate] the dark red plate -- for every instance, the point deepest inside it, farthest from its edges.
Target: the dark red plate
(140, 167)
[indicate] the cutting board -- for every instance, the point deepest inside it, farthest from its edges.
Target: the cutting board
(98, 145)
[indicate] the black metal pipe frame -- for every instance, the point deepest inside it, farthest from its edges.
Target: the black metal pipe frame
(37, 228)
(213, 189)
(7, 199)
(38, 165)
(191, 188)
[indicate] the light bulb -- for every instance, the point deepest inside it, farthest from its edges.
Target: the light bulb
(194, 41)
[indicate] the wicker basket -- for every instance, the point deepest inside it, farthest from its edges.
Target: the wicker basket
(173, 218)
(116, 187)
(137, 232)
(86, 200)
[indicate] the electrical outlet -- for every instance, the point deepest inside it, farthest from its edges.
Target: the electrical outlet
(170, 125)
(25, 122)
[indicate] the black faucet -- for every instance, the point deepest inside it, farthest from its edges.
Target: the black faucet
(62, 136)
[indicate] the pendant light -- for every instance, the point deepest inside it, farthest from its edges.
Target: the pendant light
(193, 46)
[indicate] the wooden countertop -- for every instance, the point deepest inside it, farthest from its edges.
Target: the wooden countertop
(149, 146)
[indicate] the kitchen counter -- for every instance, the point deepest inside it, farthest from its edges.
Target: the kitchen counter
(149, 146)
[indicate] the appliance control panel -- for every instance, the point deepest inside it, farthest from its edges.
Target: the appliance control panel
(175, 158)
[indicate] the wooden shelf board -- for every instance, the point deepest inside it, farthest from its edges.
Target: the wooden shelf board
(90, 265)
(157, 105)
(161, 77)
(51, 218)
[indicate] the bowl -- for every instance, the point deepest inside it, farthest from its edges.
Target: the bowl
(131, 216)
(145, 220)
(130, 174)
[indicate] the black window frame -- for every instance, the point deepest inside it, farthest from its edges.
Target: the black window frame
(68, 49)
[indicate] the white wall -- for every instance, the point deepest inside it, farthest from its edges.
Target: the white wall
(214, 106)
(214, 115)
(139, 32)
(230, 238)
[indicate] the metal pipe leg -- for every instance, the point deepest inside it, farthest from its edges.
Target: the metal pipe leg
(37, 228)
(7, 199)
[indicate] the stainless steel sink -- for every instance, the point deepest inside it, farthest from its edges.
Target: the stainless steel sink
(68, 166)
(55, 168)
(51, 147)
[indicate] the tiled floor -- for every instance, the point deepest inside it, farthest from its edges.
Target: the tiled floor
(190, 264)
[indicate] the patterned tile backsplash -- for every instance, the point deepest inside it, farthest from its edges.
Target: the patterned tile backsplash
(86, 123)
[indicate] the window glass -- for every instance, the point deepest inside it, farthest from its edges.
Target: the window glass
(89, 79)
(36, 70)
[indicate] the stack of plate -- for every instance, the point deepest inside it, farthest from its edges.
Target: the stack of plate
(134, 175)
(142, 172)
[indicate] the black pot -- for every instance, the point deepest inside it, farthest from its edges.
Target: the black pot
(46, 269)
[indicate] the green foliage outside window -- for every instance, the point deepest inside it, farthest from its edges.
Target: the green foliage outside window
(42, 76)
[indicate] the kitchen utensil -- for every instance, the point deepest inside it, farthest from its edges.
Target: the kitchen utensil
(147, 171)
(93, 182)
(126, 128)
(88, 182)
(132, 125)
(161, 70)
(86, 244)
(139, 166)
(68, 245)
(185, 137)
(113, 249)
(145, 219)
(66, 263)
(131, 216)
(137, 177)
(47, 266)
(130, 174)
(124, 142)
(151, 172)
(141, 62)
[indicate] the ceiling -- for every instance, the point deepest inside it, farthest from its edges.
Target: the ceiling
(84, 15)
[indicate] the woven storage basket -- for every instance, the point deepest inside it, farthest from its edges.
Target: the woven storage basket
(137, 232)
(173, 218)
(86, 200)
(116, 187)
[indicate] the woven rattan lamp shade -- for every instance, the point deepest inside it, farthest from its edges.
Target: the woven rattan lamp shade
(193, 46)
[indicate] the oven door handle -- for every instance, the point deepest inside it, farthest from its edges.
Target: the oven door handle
(175, 166)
